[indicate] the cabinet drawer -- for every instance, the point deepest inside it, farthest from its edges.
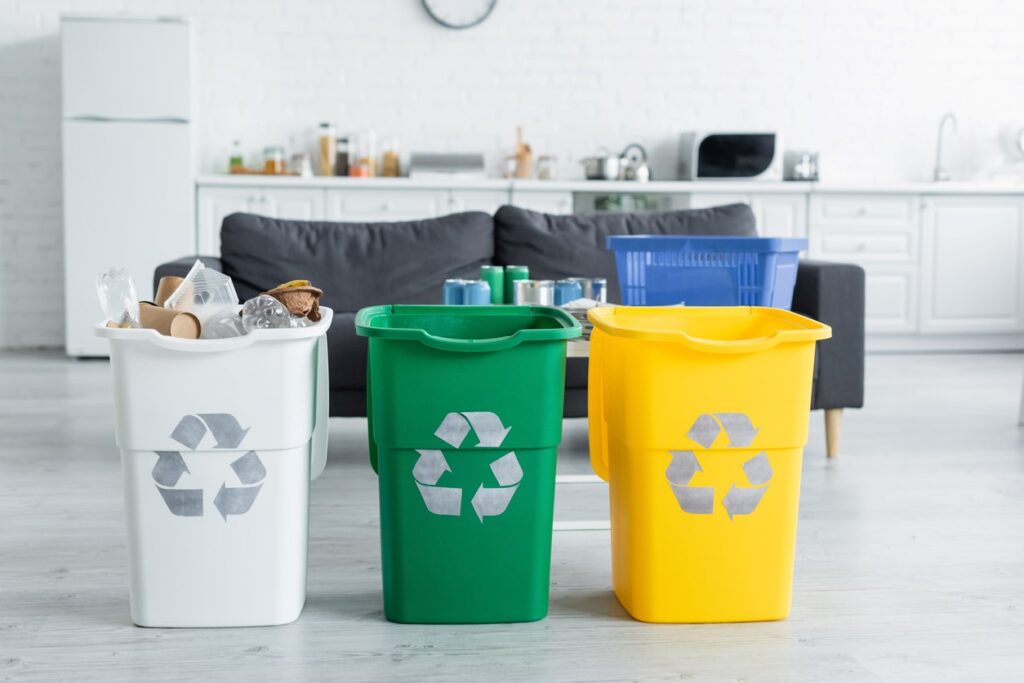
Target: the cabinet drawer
(544, 201)
(864, 244)
(864, 209)
(384, 205)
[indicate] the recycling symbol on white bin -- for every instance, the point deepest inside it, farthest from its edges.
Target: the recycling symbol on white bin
(700, 500)
(488, 501)
(227, 434)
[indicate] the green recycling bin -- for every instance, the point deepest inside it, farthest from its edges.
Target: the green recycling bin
(465, 418)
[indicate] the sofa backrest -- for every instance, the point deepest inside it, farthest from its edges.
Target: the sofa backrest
(560, 246)
(356, 264)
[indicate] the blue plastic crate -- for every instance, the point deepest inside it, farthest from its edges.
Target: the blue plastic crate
(656, 270)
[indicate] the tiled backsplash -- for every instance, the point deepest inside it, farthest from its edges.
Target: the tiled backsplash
(863, 84)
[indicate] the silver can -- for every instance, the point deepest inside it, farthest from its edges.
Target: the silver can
(535, 292)
(595, 288)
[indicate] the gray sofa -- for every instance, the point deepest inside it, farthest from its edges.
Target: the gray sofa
(361, 264)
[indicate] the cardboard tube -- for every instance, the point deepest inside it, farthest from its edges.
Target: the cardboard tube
(166, 287)
(169, 322)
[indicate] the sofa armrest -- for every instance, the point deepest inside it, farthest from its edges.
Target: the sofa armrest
(180, 267)
(833, 293)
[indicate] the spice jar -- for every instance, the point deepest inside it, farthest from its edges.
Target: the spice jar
(273, 160)
(341, 157)
(389, 165)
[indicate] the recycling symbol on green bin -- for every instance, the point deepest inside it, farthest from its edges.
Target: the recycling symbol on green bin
(227, 434)
(738, 500)
(487, 501)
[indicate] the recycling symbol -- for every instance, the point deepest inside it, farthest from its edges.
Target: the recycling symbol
(700, 500)
(170, 466)
(488, 501)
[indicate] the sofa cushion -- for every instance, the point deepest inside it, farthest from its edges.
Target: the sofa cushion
(356, 264)
(556, 247)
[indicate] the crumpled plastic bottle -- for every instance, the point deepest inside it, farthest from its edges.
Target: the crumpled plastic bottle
(225, 324)
(265, 313)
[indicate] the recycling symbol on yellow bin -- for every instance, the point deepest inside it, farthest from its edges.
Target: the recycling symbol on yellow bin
(738, 500)
(227, 434)
(487, 501)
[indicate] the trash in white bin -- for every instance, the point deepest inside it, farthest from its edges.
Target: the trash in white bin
(217, 461)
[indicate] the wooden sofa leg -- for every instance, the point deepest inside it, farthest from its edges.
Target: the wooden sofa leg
(833, 430)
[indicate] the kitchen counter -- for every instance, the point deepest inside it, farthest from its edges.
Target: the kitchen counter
(615, 186)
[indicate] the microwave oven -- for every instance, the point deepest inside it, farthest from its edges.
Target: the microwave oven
(730, 156)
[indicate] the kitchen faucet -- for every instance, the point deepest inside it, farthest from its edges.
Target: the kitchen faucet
(940, 172)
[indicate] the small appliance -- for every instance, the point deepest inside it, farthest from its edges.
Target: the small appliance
(730, 156)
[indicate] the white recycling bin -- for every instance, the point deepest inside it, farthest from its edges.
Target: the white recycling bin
(219, 441)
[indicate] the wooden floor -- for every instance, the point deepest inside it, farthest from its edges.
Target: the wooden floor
(910, 562)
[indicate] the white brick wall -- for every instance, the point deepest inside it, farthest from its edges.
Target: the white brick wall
(865, 83)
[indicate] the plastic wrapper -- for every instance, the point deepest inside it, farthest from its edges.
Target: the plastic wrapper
(118, 297)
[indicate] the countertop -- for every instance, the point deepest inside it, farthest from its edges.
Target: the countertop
(614, 186)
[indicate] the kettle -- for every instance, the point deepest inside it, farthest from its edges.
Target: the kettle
(633, 164)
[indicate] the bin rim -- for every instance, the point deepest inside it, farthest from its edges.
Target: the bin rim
(603, 319)
(743, 243)
(570, 328)
(138, 336)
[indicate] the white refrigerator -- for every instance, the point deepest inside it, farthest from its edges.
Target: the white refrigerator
(128, 157)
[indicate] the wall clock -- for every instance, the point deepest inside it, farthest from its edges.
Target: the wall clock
(459, 13)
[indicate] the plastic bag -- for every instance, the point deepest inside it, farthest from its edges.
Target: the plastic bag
(118, 297)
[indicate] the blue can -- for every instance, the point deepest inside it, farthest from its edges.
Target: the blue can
(476, 293)
(566, 291)
(595, 288)
(453, 293)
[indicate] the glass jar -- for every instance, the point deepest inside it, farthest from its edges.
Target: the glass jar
(389, 163)
(547, 168)
(366, 155)
(327, 149)
(341, 157)
(273, 160)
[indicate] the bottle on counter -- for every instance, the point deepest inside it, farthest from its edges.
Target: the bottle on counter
(236, 164)
(389, 164)
(341, 157)
(273, 160)
(327, 149)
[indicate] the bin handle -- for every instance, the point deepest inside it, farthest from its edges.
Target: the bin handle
(322, 398)
(595, 408)
(751, 345)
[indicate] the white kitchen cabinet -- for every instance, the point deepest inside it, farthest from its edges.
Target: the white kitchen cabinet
(384, 205)
(775, 215)
(972, 254)
(214, 203)
(487, 201)
(780, 215)
(891, 299)
(882, 235)
(544, 201)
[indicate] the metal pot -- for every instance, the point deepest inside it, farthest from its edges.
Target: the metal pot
(601, 167)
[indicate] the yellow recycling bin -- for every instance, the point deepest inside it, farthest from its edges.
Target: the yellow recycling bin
(698, 419)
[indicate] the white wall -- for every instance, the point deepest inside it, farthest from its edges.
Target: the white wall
(865, 83)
